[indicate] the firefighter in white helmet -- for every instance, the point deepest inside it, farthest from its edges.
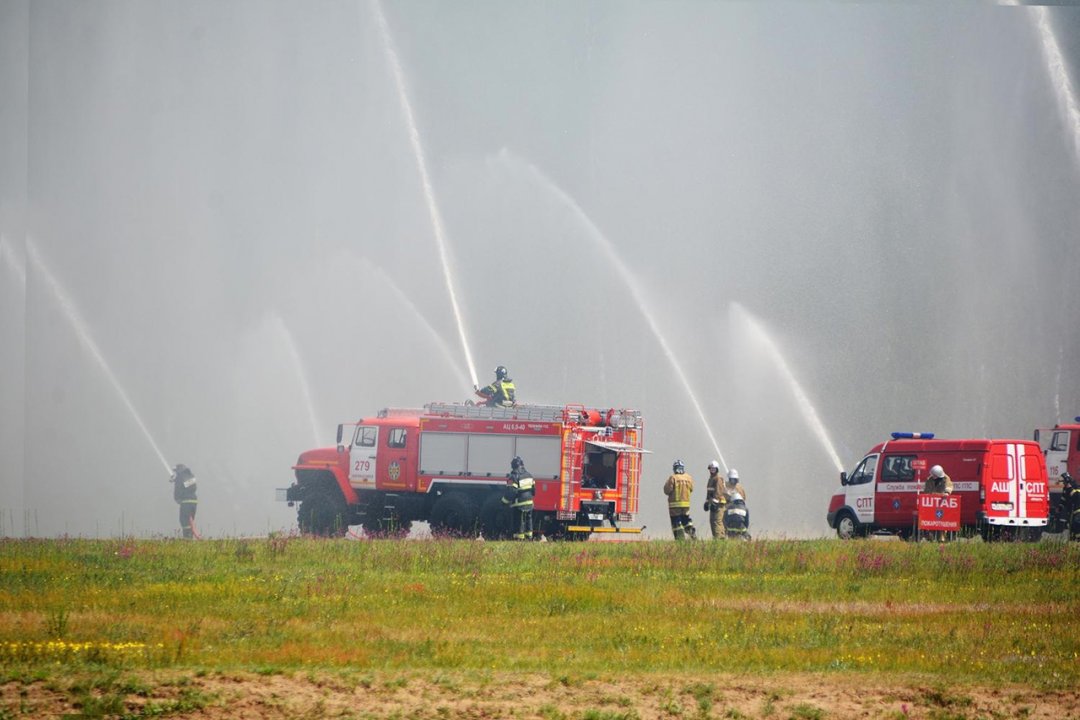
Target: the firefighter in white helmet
(678, 489)
(737, 518)
(715, 499)
(938, 483)
(733, 485)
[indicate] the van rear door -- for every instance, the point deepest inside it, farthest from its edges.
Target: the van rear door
(1016, 492)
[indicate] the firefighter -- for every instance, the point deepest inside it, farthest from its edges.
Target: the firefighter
(733, 485)
(678, 488)
(715, 499)
(737, 518)
(499, 393)
(519, 496)
(938, 483)
(1070, 500)
(184, 493)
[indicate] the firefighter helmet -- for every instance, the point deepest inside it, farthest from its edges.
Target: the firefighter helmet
(937, 471)
(501, 372)
(714, 465)
(517, 463)
(678, 467)
(732, 474)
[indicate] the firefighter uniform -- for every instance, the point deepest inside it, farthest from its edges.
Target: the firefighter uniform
(519, 496)
(1071, 499)
(678, 488)
(500, 393)
(737, 518)
(184, 493)
(938, 485)
(715, 499)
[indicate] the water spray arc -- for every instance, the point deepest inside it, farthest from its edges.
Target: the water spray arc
(628, 277)
(425, 179)
(279, 326)
(1059, 75)
(405, 300)
(807, 409)
(83, 333)
(9, 258)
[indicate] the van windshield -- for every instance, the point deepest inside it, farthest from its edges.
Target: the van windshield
(864, 473)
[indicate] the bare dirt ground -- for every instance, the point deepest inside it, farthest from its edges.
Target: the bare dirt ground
(510, 695)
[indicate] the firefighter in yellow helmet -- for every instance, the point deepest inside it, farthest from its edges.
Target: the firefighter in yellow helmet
(519, 496)
(715, 499)
(678, 488)
(500, 393)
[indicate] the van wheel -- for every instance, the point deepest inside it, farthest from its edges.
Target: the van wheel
(847, 527)
(454, 513)
(323, 513)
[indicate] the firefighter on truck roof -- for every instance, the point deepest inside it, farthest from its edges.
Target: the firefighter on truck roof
(678, 488)
(715, 499)
(500, 393)
(519, 496)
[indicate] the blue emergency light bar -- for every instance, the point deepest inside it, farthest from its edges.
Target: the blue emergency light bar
(1078, 418)
(912, 436)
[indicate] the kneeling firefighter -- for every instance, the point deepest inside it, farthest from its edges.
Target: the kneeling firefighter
(737, 518)
(519, 496)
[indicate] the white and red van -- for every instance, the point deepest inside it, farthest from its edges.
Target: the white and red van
(1061, 448)
(1001, 485)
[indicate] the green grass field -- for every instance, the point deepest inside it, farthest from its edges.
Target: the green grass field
(990, 613)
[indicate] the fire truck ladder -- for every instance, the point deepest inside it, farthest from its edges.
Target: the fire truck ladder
(535, 413)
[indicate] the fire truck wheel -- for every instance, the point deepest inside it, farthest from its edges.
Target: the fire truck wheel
(847, 527)
(496, 518)
(454, 513)
(323, 513)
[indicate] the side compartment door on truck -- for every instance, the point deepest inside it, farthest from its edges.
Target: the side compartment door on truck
(860, 489)
(394, 470)
(362, 454)
(897, 490)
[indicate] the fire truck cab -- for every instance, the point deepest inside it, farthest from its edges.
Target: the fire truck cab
(1001, 485)
(1061, 448)
(447, 464)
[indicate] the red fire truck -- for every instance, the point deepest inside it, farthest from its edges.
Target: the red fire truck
(1001, 486)
(447, 464)
(1061, 447)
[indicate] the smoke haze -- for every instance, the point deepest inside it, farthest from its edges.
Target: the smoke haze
(228, 195)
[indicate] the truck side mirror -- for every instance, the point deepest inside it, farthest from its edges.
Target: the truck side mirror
(340, 432)
(843, 477)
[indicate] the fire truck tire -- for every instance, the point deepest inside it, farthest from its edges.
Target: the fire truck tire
(847, 526)
(323, 513)
(496, 518)
(454, 513)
